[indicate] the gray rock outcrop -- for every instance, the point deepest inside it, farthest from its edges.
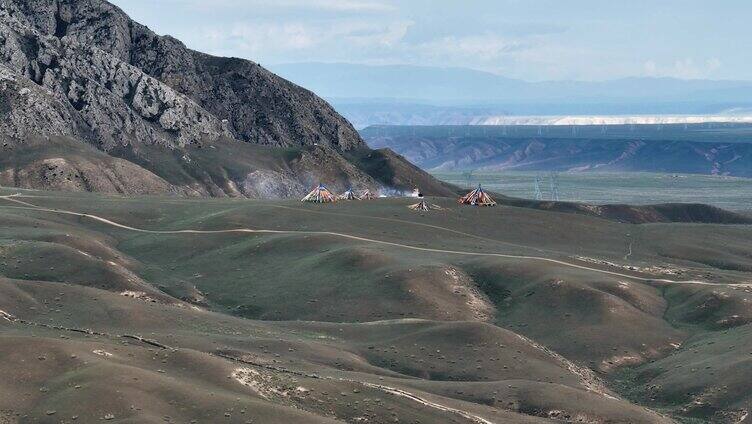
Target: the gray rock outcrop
(257, 105)
(81, 84)
(118, 102)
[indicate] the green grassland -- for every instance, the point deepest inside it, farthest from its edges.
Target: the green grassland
(366, 312)
(634, 188)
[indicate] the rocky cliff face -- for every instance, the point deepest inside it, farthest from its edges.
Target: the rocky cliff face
(185, 122)
(116, 102)
(162, 81)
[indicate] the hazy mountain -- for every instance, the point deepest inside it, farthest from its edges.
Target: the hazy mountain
(417, 95)
(452, 86)
(674, 149)
(81, 85)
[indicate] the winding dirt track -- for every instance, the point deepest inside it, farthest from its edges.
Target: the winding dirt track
(419, 224)
(385, 389)
(30, 206)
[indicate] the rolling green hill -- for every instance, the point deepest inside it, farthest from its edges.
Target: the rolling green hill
(241, 310)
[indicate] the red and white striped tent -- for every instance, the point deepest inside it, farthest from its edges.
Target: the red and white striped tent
(348, 195)
(477, 197)
(320, 194)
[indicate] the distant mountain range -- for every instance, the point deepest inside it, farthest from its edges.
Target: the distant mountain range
(580, 120)
(417, 95)
(459, 85)
(695, 149)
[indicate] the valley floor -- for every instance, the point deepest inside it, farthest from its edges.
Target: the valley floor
(633, 188)
(157, 309)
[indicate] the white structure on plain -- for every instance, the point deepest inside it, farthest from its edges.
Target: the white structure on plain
(538, 194)
(554, 187)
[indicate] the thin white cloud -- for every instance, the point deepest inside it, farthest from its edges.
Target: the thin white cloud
(289, 36)
(387, 35)
(266, 5)
(342, 5)
(534, 40)
(483, 47)
(265, 39)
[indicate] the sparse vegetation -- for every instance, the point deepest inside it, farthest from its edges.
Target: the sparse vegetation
(318, 327)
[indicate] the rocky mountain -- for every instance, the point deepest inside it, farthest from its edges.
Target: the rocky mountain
(722, 151)
(177, 120)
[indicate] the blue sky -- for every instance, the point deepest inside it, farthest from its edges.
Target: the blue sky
(527, 39)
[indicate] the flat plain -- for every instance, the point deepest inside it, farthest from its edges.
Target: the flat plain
(633, 188)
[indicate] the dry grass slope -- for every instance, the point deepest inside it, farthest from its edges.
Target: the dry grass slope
(308, 325)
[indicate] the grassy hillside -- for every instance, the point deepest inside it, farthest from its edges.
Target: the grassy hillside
(333, 313)
(222, 168)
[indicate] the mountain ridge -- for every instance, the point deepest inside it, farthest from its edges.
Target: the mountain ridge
(422, 95)
(692, 149)
(476, 87)
(84, 71)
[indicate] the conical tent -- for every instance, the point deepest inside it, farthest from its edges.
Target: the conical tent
(348, 195)
(420, 206)
(367, 195)
(320, 194)
(423, 206)
(477, 197)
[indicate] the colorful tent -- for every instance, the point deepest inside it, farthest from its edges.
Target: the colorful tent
(320, 194)
(367, 195)
(477, 197)
(424, 206)
(348, 195)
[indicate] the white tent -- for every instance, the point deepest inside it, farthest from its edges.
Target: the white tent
(348, 195)
(367, 195)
